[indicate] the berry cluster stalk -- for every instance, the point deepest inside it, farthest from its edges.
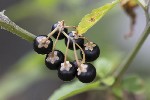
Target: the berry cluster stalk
(83, 60)
(55, 43)
(51, 33)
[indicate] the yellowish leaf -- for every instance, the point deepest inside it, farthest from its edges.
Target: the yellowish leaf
(90, 19)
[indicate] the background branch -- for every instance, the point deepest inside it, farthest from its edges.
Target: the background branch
(7, 24)
(126, 63)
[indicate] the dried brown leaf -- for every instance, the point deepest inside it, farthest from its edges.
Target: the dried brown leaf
(129, 6)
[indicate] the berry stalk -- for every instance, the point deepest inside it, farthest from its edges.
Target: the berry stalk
(51, 33)
(75, 54)
(55, 43)
(66, 52)
(83, 60)
(85, 39)
(65, 34)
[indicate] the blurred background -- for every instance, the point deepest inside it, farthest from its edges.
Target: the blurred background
(23, 75)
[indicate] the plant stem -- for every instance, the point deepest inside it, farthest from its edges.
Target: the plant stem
(125, 65)
(146, 11)
(7, 24)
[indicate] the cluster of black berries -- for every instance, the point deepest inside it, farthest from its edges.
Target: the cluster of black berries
(56, 60)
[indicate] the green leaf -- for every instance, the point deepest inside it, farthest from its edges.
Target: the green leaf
(108, 64)
(147, 87)
(118, 92)
(72, 89)
(90, 19)
(108, 81)
(133, 84)
(103, 67)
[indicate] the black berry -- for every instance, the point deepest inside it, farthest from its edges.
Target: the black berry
(42, 45)
(61, 36)
(87, 73)
(91, 51)
(67, 72)
(54, 59)
(76, 38)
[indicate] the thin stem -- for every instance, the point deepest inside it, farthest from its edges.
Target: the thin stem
(66, 51)
(66, 34)
(125, 65)
(75, 55)
(83, 60)
(146, 11)
(51, 33)
(70, 27)
(56, 41)
(55, 44)
(85, 39)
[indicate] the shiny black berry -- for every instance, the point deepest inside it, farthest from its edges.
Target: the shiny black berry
(61, 36)
(87, 73)
(42, 45)
(77, 40)
(67, 72)
(54, 59)
(91, 51)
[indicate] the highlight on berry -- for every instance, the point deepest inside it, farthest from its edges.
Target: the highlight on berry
(56, 60)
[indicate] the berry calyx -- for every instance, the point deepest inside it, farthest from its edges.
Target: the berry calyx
(86, 73)
(91, 51)
(67, 71)
(74, 37)
(61, 36)
(54, 59)
(42, 45)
